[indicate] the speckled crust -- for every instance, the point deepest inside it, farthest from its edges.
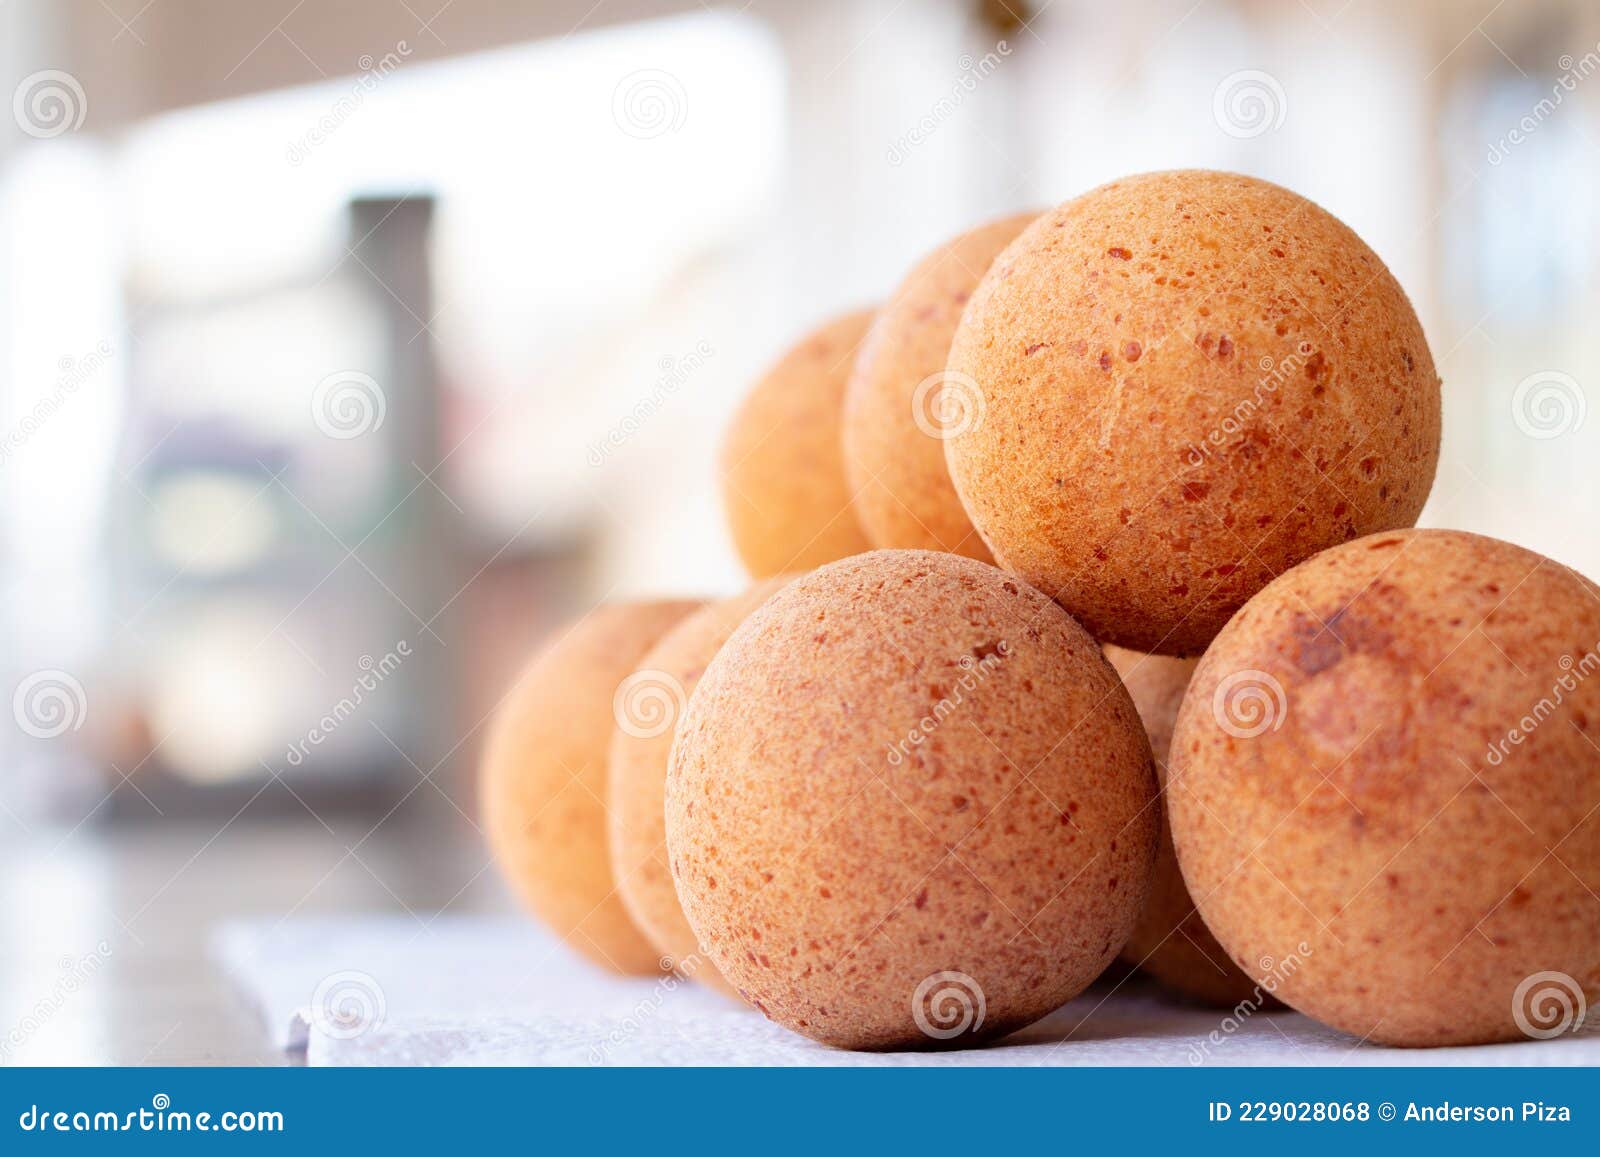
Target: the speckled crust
(638, 782)
(543, 778)
(895, 464)
(1192, 381)
(1171, 942)
(853, 883)
(1363, 819)
(782, 468)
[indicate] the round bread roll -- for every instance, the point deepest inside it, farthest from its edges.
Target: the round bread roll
(1170, 941)
(1385, 789)
(638, 783)
(543, 778)
(900, 406)
(910, 805)
(1189, 381)
(783, 483)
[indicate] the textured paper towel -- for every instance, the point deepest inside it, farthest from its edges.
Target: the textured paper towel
(464, 990)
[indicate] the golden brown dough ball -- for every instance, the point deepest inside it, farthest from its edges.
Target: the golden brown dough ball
(901, 405)
(910, 805)
(1171, 942)
(1385, 789)
(543, 780)
(638, 777)
(783, 483)
(1190, 382)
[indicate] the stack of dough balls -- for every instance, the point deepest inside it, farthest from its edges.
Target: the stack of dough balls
(1088, 623)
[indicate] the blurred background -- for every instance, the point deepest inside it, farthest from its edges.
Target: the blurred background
(346, 349)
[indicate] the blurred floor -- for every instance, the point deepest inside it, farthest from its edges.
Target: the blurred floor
(104, 936)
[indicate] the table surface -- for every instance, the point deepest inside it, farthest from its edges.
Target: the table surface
(106, 953)
(105, 932)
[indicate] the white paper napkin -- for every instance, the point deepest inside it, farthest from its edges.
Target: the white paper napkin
(467, 990)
